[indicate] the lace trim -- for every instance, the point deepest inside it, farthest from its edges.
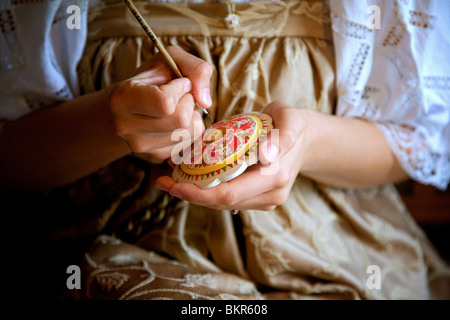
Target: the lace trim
(416, 156)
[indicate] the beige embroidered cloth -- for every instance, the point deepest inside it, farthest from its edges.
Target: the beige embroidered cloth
(320, 244)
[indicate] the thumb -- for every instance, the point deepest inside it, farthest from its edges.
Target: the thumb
(284, 135)
(269, 150)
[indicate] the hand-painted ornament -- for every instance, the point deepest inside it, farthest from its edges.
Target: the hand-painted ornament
(225, 150)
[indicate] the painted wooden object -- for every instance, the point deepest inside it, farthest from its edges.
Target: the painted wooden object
(225, 150)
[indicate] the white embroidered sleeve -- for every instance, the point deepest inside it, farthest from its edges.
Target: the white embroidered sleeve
(392, 69)
(41, 43)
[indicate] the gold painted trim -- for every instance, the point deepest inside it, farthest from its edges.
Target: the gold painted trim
(232, 158)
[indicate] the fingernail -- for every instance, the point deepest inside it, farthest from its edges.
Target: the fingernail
(206, 97)
(187, 86)
(176, 194)
(137, 83)
(272, 152)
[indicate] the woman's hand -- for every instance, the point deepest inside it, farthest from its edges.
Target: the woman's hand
(148, 107)
(255, 189)
(336, 151)
(55, 146)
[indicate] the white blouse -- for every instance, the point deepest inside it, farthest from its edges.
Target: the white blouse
(397, 76)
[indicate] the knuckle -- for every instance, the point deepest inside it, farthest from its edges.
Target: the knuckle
(275, 107)
(182, 121)
(167, 103)
(203, 69)
(282, 179)
(229, 198)
(120, 128)
(280, 198)
(137, 145)
(290, 138)
(115, 97)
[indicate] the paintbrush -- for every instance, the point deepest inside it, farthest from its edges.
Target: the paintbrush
(173, 66)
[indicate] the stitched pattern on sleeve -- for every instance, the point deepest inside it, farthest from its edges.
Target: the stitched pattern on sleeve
(11, 55)
(416, 156)
(422, 20)
(358, 65)
(349, 28)
(371, 100)
(436, 82)
(395, 35)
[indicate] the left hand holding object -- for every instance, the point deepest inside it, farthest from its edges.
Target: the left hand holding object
(253, 189)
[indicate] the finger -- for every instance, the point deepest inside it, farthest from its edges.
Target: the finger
(155, 145)
(164, 183)
(155, 69)
(252, 204)
(205, 197)
(227, 194)
(283, 137)
(184, 113)
(163, 153)
(265, 201)
(182, 118)
(171, 163)
(198, 71)
(156, 101)
(149, 142)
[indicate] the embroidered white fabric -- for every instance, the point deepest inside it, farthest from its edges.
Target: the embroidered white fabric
(38, 54)
(398, 76)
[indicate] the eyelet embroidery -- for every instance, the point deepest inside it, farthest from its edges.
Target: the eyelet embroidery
(12, 57)
(435, 82)
(404, 72)
(421, 19)
(349, 28)
(395, 35)
(358, 64)
(371, 100)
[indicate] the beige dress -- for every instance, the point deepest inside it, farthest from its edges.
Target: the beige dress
(322, 243)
